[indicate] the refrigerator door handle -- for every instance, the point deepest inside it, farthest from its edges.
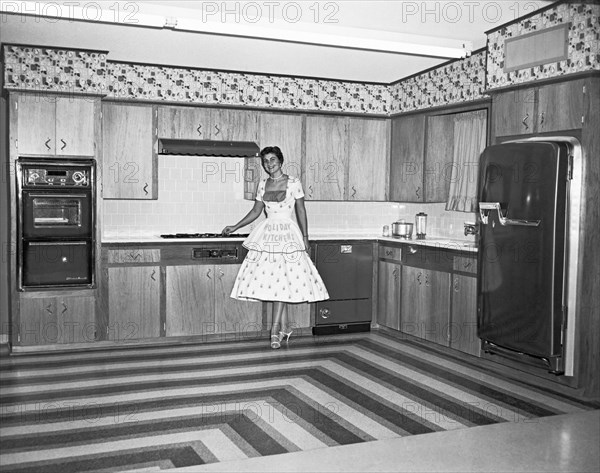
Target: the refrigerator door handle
(485, 207)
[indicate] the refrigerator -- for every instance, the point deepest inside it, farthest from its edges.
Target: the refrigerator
(526, 254)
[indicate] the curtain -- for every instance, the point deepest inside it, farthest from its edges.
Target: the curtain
(469, 142)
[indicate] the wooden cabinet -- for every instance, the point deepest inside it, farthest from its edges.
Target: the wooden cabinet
(190, 301)
(56, 319)
(233, 315)
(129, 163)
(425, 306)
(198, 302)
(197, 123)
(50, 125)
(463, 326)
(407, 157)
(368, 159)
(389, 287)
(326, 158)
(543, 109)
(346, 158)
(133, 302)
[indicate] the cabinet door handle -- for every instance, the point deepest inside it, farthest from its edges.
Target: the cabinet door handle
(310, 191)
(525, 121)
(46, 143)
(419, 278)
(221, 273)
(218, 130)
(199, 129)
(389, 252)
(152, 275)
(208, 273)
(467, 264)
(49, 309)
(456, 288)
(542, 118)
(396, 274)
(427, 283)
(353, 191)
(64, 144)
(146, 188)
(64, 307)
(418, 192)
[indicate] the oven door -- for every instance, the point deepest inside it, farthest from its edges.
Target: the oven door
(52, 214)
(57, 263)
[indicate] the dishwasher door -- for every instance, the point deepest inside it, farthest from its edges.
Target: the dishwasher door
(347, 271)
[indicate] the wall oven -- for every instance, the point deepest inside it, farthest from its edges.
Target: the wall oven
(56, 223)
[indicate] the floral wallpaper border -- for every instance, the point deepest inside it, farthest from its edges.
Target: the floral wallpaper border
(583, 44)
(43, 69)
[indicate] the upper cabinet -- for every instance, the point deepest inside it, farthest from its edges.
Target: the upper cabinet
(197, 123)
(406, 168)
(532, 110)
(129, 164)
(438, 160)
(55, 125)
(346, 158)
(326, 158)
(285, 131)
(368, 156)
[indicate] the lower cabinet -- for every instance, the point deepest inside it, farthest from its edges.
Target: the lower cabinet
(425, 306)
(133, 302)
(389, 287)
(198, 302)
(429, 293)
(58, 319)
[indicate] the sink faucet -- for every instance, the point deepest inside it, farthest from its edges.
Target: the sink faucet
(471, 229)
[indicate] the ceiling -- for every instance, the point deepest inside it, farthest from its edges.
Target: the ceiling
(254, 36)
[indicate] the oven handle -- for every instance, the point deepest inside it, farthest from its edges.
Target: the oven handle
(51, 194)
(56, 243)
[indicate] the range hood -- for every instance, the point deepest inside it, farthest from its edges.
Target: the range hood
(230, 149)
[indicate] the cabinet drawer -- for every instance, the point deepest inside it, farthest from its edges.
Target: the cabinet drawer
(428, 257)
(133, 255)
(390, 252)
(465, 264)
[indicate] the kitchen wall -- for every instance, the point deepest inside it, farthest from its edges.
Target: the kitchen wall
(203, 194)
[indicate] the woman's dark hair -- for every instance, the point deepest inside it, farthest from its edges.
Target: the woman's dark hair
(274, 150)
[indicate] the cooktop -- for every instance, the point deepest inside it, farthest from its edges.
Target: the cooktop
(204, 235)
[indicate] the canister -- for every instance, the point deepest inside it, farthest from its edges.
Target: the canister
(421, 224)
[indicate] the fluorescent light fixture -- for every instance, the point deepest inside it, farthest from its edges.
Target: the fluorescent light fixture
(332, 36)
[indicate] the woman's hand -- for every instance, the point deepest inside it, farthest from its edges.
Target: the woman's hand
(227, 230)
(306, 245)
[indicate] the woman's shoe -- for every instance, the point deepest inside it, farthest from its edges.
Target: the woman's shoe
(285, 336)
(275, 341)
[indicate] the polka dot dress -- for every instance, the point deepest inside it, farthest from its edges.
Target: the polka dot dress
(277, 267)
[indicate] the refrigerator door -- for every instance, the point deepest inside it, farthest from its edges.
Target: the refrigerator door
(523, 192)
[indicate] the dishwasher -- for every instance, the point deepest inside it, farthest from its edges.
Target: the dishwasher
(347, 271)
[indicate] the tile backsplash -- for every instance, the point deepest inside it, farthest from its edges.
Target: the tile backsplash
(204, 194)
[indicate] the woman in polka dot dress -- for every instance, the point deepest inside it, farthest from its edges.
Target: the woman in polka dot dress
(277, 267)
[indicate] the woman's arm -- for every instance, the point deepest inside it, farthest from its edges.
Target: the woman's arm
(249, 218)
(302, 221)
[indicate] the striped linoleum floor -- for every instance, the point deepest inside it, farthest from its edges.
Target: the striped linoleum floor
(152, 408)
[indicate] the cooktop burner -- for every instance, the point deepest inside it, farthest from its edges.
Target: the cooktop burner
(204, 235)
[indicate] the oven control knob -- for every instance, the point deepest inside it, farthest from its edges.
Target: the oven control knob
(78, 177)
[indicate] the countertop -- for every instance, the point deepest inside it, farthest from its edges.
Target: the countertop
(438, 242)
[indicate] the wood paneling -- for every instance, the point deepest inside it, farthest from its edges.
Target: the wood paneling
(134, 302)
(233, 315)
(388, 308)
(463, 327)
(368, 155)
(514, 112)
(234, 125)
(326, 158)
(408, 147)
(36, 127)
(190, 123)
(190, 304)
(560, 106)
(129, 152)
(75, 126)
(283, 130)
(133, 255)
